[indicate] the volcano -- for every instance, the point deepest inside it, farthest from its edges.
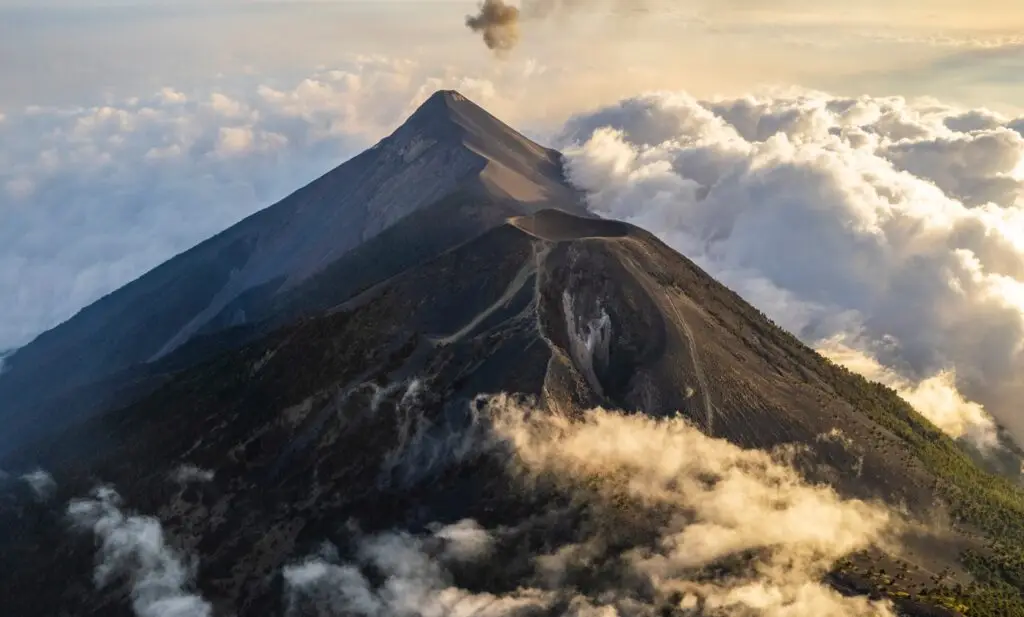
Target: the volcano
(449, 173)
(431, 383)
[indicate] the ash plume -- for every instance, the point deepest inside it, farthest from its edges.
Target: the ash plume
(188, 473)
(498, 23)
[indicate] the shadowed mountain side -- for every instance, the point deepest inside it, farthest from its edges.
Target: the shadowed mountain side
(302, 424)
(450, 149)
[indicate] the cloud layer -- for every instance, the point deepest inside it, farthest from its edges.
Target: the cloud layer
(888, 230)
(659, 503)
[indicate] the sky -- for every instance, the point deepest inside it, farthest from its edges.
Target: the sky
(887, 132)
(89, 51)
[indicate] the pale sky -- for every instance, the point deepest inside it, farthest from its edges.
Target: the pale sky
(60, 52)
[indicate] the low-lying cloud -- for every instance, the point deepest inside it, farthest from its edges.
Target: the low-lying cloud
(417, 581)
(936, 396)
(888, 229)
(133, 550)
(498, 24)
(42, 484)
(189, 473)
(658, 503)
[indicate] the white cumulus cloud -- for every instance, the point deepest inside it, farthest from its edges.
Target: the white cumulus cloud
(890, 227)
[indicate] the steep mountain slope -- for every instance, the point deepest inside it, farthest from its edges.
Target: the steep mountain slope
(370, 415)
(450, 149)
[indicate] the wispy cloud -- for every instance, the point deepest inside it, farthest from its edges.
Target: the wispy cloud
(43, 486)
(188, 473)
(133, 549)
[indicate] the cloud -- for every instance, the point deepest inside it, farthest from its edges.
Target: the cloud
(465, 541)
(657, 503)
(39, 482)
(891, 227)
(935, 397)
(498, 23)
(188, 473)
(42, 484)
(962, 39)
(133, 548)
(416, 583)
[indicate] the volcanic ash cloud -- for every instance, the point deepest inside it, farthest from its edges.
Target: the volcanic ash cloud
(498, 23)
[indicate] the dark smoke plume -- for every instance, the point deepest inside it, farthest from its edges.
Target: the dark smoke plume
(499, 24)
